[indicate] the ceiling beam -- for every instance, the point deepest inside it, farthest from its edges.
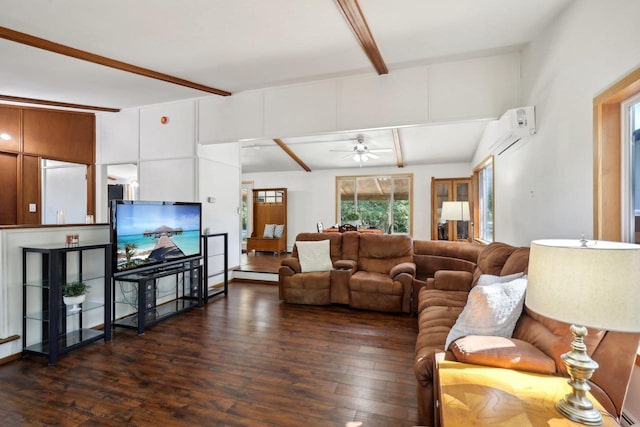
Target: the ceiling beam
(37, 42)
(352, 12)
(292, 154)
(396, 147)
(56, 103)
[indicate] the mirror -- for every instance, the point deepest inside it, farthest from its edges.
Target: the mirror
(64, 192)
(122, 182)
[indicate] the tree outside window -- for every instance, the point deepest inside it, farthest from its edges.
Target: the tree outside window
(380, 202)
(483, 181)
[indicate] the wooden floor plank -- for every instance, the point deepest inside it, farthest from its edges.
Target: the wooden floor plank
(244, 360)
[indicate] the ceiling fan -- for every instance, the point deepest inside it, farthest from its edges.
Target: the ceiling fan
(361, 153)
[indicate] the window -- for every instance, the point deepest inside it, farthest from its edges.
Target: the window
(483, 215)
(631, 170)
(381, 202)
(608, 176)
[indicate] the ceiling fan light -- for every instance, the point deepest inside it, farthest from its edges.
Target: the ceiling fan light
(364, 157)
(357, 157)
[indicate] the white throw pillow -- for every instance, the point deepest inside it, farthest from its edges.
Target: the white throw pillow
(277, 232)
(268, 231)
(489, 279)
(492, 309)
(314, 256)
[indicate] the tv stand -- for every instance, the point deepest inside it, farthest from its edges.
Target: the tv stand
(142, 299)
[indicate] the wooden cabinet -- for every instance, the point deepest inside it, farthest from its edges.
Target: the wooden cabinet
(443, 190)
(269, 207)
(30, 135)
(59, 135)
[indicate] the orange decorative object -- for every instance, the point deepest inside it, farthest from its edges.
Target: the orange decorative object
(164, 120)
(360, 230)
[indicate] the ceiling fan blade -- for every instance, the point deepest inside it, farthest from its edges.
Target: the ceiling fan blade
(381, 150)
(342, 151)
(373, 156)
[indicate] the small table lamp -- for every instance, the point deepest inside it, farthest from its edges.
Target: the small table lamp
(455, 211)
(588, 284)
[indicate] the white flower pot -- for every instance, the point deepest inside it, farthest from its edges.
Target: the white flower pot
(73, 303)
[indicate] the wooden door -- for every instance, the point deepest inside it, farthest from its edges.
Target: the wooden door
(443, 190)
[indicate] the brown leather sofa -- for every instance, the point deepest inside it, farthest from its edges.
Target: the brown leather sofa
(319, 287)
(371, 272)
(537, 342)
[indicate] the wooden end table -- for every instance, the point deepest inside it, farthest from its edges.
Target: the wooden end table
(472, 395)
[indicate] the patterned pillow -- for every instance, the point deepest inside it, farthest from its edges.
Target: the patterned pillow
(277, 233)
(491, 309)
(268, 231)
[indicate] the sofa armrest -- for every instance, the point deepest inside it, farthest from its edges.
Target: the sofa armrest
(346, 264)
(451, 280)
(510, 353)
(404, 267)
(292, 263)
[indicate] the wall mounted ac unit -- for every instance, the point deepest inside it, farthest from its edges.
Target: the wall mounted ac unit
(513, 126)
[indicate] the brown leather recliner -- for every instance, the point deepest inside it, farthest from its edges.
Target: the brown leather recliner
(385, 273)
(314, 288)
(536, 345)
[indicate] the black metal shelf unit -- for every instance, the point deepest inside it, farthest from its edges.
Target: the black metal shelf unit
(142, 299)
(50, 328)
(224, 289)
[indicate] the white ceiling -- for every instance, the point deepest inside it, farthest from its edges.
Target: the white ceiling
(245, 44)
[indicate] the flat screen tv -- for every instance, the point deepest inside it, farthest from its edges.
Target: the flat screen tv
(146, 234)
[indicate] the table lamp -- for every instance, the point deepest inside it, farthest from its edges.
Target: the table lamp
(587, 284)
(455, 211)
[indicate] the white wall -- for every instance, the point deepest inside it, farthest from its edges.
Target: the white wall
(219, 190)
(172, 166)
(544, 189)
(453, 91)
(311, 196)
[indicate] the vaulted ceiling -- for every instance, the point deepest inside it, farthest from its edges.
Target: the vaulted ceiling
(238, 45)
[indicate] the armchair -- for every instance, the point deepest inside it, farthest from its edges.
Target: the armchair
(385, 273)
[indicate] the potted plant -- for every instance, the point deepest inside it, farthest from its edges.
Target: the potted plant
(74, 294)
(352, 218)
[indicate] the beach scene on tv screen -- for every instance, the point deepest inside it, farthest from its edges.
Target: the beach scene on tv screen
(151, 233)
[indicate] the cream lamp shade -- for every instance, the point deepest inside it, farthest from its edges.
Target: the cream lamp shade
(455, 211)
(587, 284)
(594, 284)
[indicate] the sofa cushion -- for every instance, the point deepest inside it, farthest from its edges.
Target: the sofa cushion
(374, 283)
(553, 337)
(438, 297)
(379, 253)
(491, 309)
(314, 256)
(502, 352)
(490, 279)
(278, 231)
(268, 231)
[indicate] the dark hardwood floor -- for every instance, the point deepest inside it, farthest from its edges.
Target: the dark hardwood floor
(243, 360)
(261, 262)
